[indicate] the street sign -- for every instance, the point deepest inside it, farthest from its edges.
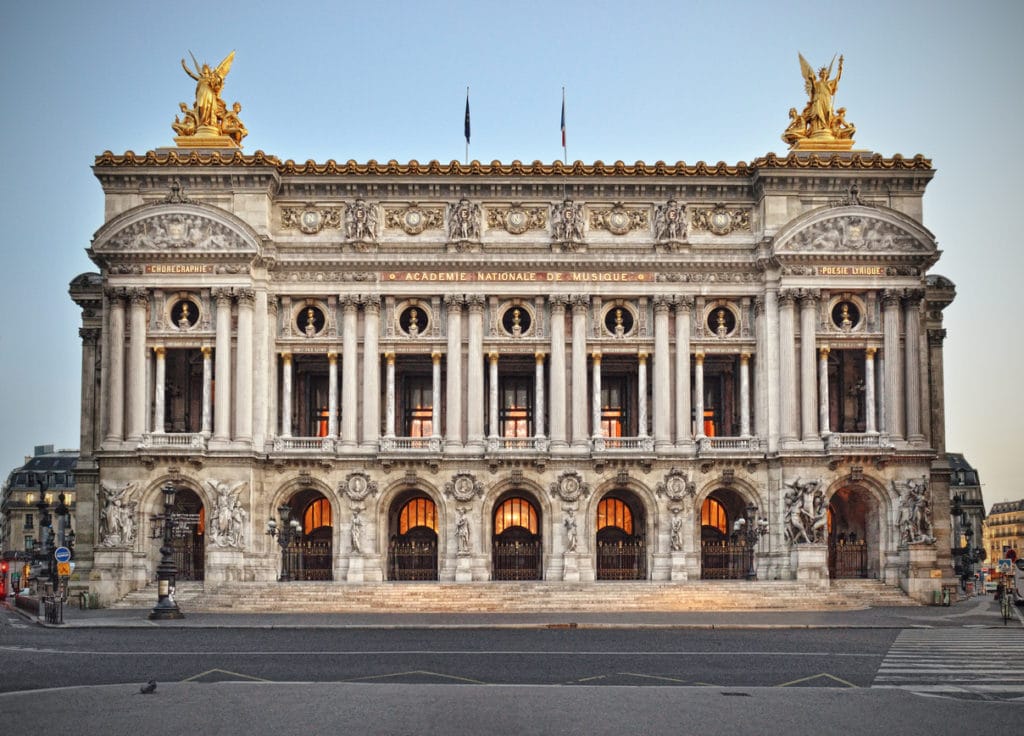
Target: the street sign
(64, 569)
(1004, 566)
(62, 554)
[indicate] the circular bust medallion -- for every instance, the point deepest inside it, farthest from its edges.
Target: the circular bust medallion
(618, 222)
(517, 221)
(413, 221)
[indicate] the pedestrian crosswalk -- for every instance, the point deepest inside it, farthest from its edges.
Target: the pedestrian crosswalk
(985, 663)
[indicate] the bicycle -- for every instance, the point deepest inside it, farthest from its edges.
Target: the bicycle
(1006, 600)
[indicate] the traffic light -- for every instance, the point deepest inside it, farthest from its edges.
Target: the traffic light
(4, 567)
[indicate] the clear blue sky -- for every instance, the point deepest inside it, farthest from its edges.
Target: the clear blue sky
(644, 80)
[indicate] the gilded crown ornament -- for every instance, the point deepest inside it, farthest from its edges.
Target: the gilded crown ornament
(819, 127)
(209, 123)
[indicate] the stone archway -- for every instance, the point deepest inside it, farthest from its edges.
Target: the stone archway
(413, 537)
(724, 555)
(854, 537)
(516, 539)
(621, 538)
(311, 555)
(189, 540)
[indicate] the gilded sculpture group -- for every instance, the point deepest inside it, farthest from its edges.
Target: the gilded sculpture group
(819, 125)
(210, 118)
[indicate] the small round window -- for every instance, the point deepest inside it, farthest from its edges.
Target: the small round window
(618, 321)
(845, 315)
(184, 314)
(310, 321)
(413, 321)
(721, 321)
(516, 321)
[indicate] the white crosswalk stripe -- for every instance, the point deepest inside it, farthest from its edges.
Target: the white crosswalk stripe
(978, 663)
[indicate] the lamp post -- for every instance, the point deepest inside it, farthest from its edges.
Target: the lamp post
(967, 556)
(285, 532)
(166, 607)
(63, 514)
(750, 530)
(45, 534)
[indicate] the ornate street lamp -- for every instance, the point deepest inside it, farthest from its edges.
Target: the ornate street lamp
(285, 533)
(967, 556)
(45, 534)
(166, 572)
(750, 530)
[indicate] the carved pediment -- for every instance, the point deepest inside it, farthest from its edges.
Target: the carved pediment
(174, 229)
(855, 230)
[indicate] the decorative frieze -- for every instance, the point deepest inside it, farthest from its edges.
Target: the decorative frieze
(175, 231)
(720, 220)
(517, 219)
(414, 219)
(619, 220)
(309, 219)
(853, 233)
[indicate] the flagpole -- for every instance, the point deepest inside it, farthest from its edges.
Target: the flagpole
(565, 153)
(467, 125)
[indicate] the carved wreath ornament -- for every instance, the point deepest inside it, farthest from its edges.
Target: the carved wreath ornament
(570, 487)
(463, 487)
(357, 486)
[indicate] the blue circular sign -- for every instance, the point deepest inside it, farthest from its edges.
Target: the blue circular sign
(62, 554)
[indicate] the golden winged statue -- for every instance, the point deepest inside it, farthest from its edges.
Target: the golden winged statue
(209, 123)
(819, 126)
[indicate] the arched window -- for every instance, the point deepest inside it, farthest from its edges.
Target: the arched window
(318, 514)
(515, 512)
(614, 512)
(418, 512)
(712, 514)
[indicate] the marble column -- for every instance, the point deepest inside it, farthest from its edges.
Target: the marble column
(823, 409)
(90, 411)
(453, 419)
(761, 350)
(936, 336)
(492, 394)
(350, 374)
(262, 425)
(222, 368)
(389, 396)
(744, 394)
(788, 389)
(641, 399)
(684, 420)
(769, 363)
(869, 391)
(286, 394)
(207, 415)
(371, 371)
(557, 372)
(435, 396)
(698, 392)
(912, 364)
(580, 437)
(893, 384)
(332, 395)
(662, 389)
(243, 366)
(475, 371)
(138, 399)
(159, 389)
(538, 395)
(808, 367)
(595, 397)
(115, 390)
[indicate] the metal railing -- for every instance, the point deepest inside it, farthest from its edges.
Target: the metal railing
(622, 561)
(412, 561)
(848, 560)
(725, 561)
(515, 561)
(310, 560)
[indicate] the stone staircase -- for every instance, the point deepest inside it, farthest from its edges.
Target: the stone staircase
(524, 597)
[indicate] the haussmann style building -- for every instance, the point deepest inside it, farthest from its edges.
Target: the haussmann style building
(488, 372)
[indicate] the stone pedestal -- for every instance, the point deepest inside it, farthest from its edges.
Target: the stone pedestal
(810, 561)
(678, 570)
(571, 568)
(224, 565)
(922, 576)
(112, 574)
(355, 570)
(464, 569)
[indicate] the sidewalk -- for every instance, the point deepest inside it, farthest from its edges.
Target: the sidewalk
(980, 611)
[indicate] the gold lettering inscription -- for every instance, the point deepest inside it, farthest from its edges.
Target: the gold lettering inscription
(851, 270)
(517, 276)
(179, 268)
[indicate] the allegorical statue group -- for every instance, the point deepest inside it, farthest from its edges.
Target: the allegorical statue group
(819, 122)
(210, 117)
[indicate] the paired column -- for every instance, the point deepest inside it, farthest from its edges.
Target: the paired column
(350, 376)
(159, 389)
(453, 420)
(698, 392)
(207, 417)
(332, 395)
(579, 371)
(912, 364)
(808, 337)
(787, 366)
(371, 371)
(641, 387)
(595, 387)
(286, 395)
(88, 427)
(662, 409)
(222, 366)
(435, 394)
(557, 372)
(475, 382)
(538, 395)
(137, 395)
(823, 408)
(389, 398)
(243, 366)
(684, 422)
(115, 391)
(493, 394)
(869, 391)
(744, 394)
(892, 401)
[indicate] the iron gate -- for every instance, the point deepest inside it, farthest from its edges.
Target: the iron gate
(189, 556)
(310, 559)
(413, 560)
(725, 561)
(848, 560)
(515, 560)
(623, 560)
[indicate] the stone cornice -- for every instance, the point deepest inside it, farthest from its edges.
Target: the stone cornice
(793, 161)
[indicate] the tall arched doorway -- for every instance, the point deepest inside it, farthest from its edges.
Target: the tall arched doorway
(311, 556)
(516, 539)
(621, 551)
(852, 534)
(412, 547)
(189, 541)
(723, 554)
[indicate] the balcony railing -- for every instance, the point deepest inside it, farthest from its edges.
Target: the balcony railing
(857, 441)
(410, 444)
(188, 440)
(614, 444)
(521, 444)
(304, 444)
(729, 444)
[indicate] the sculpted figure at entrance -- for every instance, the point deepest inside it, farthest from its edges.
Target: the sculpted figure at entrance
(228, 518)
(914, 517)
(806, 513)
(117, 514)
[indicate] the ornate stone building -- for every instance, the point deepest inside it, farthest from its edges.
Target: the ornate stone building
(515, 371)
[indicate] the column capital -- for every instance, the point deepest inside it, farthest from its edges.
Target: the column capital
(349, 303)
(558, 302)
(699, 357)
(809, 298)
(221, 295)
(662, 304)
(539, 356)
(89, 335)
(788, 297)
(684, 303)
(138, 296)
(286, 357)
(824, 350)
(580, 303)
(870, 351)
(206, 350)
(245, 297)
(912, 297)
(596, 356)
(160, 351)
(477, 302)
(435, 357)
(454, 301)
(493, 356)
(891, 298)
(936, 336)
(744, 357)
(371, 304)
(332, 357)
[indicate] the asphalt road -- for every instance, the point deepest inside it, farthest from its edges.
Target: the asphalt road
(32, 658)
